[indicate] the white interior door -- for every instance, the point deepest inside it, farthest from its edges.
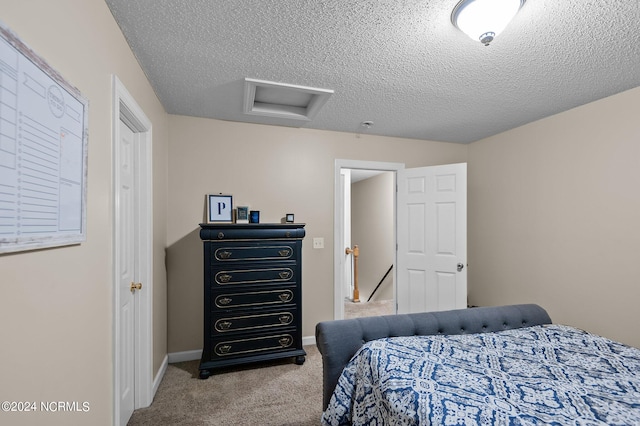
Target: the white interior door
(432, 238)
(128, 275)
(133, 382)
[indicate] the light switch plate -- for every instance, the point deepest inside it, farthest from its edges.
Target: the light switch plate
(318, 243)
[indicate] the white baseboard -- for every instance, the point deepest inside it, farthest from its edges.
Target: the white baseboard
(159, 376)
(308, 340)
(185, 356)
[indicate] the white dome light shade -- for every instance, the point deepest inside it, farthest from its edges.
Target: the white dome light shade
(483, 20)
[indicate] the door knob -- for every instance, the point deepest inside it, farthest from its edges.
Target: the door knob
(135, 286)
(460, 267)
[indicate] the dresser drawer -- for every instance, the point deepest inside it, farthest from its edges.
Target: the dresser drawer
(229, 348)
(254, 299)
(255, 253)
(251, 232)
(254, 321)
(230, 277)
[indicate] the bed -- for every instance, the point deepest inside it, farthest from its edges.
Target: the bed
(507, 365)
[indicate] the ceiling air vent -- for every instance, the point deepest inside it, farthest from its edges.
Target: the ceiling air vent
(270, 99)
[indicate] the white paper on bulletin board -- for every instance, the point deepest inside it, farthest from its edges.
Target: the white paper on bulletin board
(43, 152)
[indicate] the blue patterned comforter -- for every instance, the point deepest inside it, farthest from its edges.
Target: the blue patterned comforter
(542, 375)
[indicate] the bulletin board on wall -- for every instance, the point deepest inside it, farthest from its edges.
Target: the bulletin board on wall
(43, 152)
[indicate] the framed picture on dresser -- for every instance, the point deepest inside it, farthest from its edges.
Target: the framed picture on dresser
(219, 208)
(242, 214)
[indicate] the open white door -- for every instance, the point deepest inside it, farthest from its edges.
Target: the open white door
(432, 238)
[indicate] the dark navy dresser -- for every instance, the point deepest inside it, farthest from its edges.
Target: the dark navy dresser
(252, 294)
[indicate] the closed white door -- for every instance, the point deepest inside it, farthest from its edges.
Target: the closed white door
(432, 238)
(127, 251)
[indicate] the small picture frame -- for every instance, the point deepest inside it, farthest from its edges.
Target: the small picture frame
(289, 218)
(219, 208)
(254, 216)
(242, 214)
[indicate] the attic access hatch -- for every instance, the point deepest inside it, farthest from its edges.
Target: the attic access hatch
(270, 99)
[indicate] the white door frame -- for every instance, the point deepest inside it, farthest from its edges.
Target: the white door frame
(345, 215)
(338, 228)
(126, 109)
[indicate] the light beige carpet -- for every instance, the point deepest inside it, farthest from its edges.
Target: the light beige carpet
(276, 393)
(368, 309)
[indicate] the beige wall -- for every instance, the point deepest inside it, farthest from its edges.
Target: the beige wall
(554, 210)
(372, 229)
(56, 304)
(275, 170)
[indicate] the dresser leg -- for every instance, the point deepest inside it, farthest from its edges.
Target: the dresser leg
(300, 359)
(204, 374)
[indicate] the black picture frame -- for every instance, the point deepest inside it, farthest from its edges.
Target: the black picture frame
(242, 214)
(219, 208)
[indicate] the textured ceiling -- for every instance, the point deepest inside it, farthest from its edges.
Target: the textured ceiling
(398, 63)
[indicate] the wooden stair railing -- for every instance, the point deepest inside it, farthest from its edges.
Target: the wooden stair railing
(356, 252)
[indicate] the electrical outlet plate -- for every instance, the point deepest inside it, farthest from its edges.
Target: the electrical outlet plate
(318, 243)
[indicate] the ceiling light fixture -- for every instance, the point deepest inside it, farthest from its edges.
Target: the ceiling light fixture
(483, 20)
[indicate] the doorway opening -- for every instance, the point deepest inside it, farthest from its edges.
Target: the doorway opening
(365, 209)
(372, 210)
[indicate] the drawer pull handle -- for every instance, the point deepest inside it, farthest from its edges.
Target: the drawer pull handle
(284, 253)
(285, 275)
(224, 278)
(224, 349)
(285, 319)
(224, 325)
(220, 235)
(285, 297)
(224, 254)
(285, 341)
(225, 300)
